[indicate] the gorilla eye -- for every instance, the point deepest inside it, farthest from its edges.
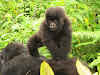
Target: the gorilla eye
(51, 17)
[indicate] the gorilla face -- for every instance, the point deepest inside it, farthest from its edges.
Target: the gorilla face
(55, 18)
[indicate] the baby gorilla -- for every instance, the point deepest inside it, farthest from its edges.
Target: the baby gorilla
(55, 33)
(16, 60)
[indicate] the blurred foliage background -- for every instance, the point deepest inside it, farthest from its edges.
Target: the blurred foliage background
(19, 19)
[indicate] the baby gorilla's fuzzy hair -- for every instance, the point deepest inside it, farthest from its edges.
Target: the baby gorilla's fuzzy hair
(55, 33)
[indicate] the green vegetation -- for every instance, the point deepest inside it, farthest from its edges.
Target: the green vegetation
(19, 19)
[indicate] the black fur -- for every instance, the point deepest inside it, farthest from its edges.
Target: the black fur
(64, 67)
(55, 33)
(17, 61)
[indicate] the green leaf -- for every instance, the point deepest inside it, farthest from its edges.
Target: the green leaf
(98, 67)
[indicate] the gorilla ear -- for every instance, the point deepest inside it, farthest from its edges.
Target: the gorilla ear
(67, 21)
(45, 22)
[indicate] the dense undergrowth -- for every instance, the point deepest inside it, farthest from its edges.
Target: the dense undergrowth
(19, 19)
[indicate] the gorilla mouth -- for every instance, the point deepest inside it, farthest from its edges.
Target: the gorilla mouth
(52, 27)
